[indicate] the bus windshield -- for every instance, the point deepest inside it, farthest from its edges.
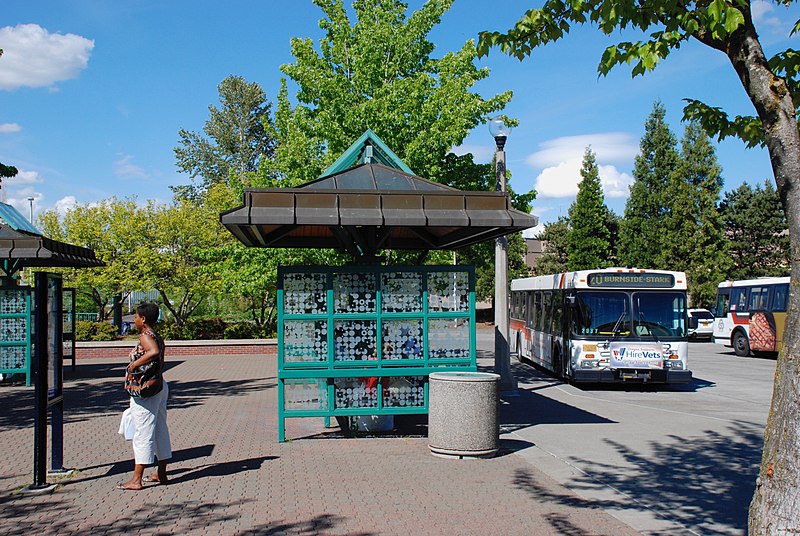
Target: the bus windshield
(602, 313)
(659, 314)
(609, 314)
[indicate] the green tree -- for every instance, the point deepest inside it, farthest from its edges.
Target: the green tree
(235, 139)
(180, 238)
(756, 231)
(555, 254)
(589, 238)
(377, 73)
(114, 229)
(694, 227)
(642, 231)
(773, 86)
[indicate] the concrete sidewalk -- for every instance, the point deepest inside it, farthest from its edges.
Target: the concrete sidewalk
(231, 476)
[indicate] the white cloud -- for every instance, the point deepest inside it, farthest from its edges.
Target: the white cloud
(65, 204)
(33, 57)
(9, 127)
(124, 168)
(23, 177)
(534, 232)
(19, 200)
(560, 180)
(618, 147)
(615, 183)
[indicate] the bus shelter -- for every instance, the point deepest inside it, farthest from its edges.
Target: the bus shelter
(362, 339)
(33, 325)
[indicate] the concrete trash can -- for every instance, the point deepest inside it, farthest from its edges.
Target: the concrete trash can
(462, 414)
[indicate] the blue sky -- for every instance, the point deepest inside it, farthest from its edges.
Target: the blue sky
(93, 93)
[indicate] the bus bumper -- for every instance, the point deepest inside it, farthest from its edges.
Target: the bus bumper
(631, 375)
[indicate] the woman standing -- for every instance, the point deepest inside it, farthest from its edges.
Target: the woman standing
(149, 393)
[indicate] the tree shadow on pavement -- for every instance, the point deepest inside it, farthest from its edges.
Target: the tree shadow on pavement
(22, 516)
(703, 482)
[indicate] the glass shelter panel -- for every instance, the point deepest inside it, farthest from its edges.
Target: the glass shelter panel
(356, 392)
(354, 293)
(304, 294)
(401, 292)
(448, 338)
(402, 338)
(354, 340)
(305, 394)
(404, 391)
(448, 291)
(305, 341)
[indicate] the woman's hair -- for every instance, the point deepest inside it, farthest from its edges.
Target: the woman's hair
(148, 311)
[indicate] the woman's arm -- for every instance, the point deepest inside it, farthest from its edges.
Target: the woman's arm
(151, 352)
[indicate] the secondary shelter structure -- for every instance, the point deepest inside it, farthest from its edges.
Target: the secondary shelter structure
(362, 339)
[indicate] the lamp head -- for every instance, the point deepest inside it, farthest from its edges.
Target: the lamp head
(499, 130)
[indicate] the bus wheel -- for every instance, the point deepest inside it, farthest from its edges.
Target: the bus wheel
(740, 344)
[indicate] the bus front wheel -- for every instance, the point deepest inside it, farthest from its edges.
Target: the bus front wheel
(741, 345)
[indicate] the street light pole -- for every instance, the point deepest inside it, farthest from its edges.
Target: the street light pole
(502, 355)
(30, 201)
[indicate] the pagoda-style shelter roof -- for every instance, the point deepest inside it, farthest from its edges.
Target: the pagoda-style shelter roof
(22, 245)
(369, 200)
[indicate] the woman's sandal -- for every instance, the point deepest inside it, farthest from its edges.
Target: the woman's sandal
(129, 487)
(153, 479)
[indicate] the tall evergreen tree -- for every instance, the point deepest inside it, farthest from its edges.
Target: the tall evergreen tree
(694, 230)
(235, 139)
(757, 232)
(555, 256)
(588, 241)
(641, 234)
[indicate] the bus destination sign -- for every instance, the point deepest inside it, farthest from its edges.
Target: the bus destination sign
(630, 280)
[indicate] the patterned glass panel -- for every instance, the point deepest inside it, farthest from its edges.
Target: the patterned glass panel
(14, 329)
(354, 293)
(448, 291)
(12, 302)
(448, 338)
(304, 294)
(404, 391)
(13, 357)
(354, 340)
(355, 392)
(402, 339)
(305, 340)
(401, 292)
(301, 394)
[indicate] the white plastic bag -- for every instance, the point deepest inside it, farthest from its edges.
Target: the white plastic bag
(126, 426)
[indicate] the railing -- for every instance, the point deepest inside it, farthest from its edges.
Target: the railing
(362, 340)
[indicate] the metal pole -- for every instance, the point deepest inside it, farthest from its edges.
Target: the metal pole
(502, 355)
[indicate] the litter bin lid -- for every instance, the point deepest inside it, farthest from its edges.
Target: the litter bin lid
(465, 376)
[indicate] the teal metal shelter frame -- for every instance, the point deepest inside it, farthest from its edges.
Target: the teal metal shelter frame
(362, 339)
(15, 331)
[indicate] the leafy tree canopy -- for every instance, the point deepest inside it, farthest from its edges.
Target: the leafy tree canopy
(378, 73)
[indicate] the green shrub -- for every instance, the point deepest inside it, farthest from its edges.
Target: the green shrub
(103, 331)
(94, 331)
(84, 329)
(243, 330)
(171, 331)
(205, 328)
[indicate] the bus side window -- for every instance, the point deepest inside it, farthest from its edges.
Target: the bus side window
(723, 304)
(547, 304)
(780, 296)
(557, 327)
(739, 299)
(758, 299)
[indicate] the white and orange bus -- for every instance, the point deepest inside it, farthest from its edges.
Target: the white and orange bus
(750, 314)
(605, 325)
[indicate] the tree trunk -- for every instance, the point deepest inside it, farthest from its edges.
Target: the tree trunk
(775, 508)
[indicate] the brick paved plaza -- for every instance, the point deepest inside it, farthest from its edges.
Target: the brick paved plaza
(231, 476)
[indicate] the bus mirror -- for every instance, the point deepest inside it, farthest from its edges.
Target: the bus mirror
(570, 300)
(692, 322)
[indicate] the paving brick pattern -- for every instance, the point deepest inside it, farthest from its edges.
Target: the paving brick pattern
(231, 476)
